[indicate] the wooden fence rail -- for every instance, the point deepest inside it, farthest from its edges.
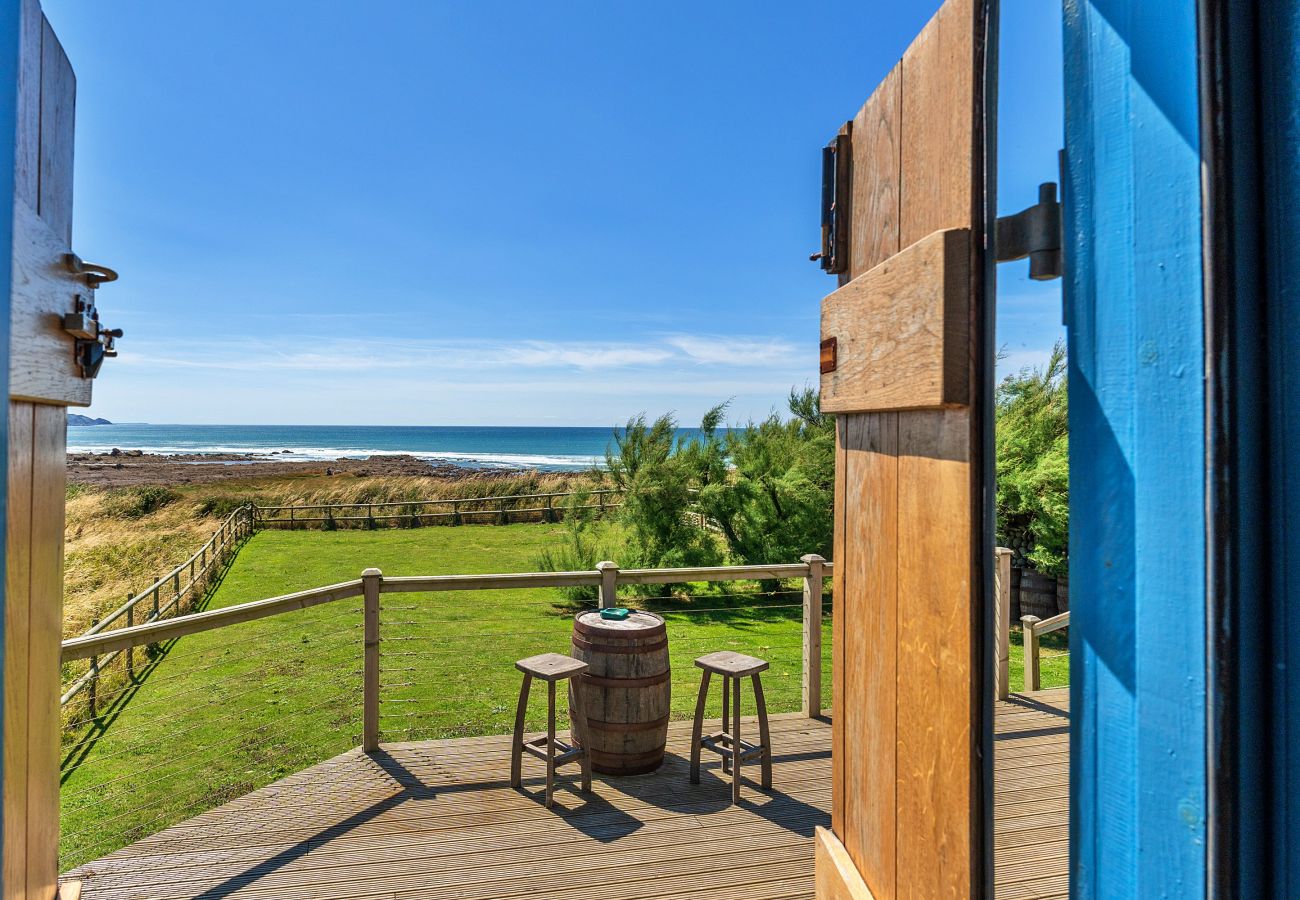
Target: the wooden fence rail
(499, 509)
(1034, 629)
(166, 595)
(607, 576)
(170, 591)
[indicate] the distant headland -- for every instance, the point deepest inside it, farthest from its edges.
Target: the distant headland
(75, 419)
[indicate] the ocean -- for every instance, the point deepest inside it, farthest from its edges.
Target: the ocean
(545, 448)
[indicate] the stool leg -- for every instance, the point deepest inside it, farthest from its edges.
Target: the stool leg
(697, 729)
(726, 716)
(764, 738)
(517, 746)
(550, 741)
(578, 716)
(735, 740)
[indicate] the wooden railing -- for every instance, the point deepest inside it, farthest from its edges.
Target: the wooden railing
(606, 577)
(195, 573)
(414, 513)
(1035, 628)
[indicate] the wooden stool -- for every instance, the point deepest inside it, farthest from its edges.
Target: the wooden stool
(550, 667)
(727, 743)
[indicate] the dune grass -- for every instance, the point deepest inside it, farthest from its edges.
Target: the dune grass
(119, 540)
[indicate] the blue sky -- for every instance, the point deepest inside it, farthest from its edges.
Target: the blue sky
(488, 213)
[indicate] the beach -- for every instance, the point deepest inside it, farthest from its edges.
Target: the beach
(128, 468)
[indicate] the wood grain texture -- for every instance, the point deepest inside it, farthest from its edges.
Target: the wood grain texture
(938, 125)
(27, 149)
(867, 673)
(17, 635)
(903, 331)
(58, 117)
(935, 713)
(837, 877)
(42, 367)
(873, 228)
(49, 432)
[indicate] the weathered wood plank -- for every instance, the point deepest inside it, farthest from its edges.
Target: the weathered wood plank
(58, 116)
(17, 632)
(49, 434)
(902, 331)
(876, 136)
(870, 640)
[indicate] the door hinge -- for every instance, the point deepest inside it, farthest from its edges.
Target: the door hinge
(1035, 233)
(834, 254)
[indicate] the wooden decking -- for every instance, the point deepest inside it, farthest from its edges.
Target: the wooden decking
(437, 820)
(1032, 803)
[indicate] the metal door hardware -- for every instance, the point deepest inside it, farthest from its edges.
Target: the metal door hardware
(93, 343)
(1035, 233)
(835, 198)
(94, 274)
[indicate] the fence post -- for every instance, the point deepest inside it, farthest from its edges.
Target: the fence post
(813, 584)
(608, 583)
(130, 651)
(1002, 624)
(1029, 623)
(371, 579)
(502, 518)
(455, 512)
(549, 515)
(176, 589)
(93, 685)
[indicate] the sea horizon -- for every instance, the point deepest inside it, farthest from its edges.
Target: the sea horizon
(542, 447)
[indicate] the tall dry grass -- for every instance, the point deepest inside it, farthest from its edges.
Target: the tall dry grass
(117, 541)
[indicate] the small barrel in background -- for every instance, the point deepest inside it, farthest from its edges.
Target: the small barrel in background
(626, 691)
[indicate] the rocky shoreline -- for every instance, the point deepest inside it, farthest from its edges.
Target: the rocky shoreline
(124, 468)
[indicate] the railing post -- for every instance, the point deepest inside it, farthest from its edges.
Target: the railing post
(371, 579)
(502, 518)
(176, 589)
(1029, 624)
(549, 515)
(608, 584)
(455, 512)
(813, 583)
(1002, 624)
(92, 686)
(130, 651)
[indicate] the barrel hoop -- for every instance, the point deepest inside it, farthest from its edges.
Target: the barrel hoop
(605, 648)
(606, 682)
(625, 760)
(593, 631)
(626, 727)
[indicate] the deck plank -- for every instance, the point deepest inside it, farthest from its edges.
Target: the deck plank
(438, 819)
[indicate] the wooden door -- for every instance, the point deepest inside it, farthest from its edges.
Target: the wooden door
(44, 379)
(904, 362)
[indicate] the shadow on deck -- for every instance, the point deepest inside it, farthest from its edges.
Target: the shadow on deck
(437, 819)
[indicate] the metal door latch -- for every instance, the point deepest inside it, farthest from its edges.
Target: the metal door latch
(834, 256)
(93, 342)
(1035, 233)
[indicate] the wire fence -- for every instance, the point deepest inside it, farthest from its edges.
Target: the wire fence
(230, 711)
(209, 717)
(489, 510)
(447, 660)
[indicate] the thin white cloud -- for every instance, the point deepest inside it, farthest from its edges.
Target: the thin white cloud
(312, 354)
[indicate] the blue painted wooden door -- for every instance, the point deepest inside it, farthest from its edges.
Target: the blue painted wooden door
(1137, 542)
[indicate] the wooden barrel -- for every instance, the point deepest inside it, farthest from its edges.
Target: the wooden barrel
(1037, 594)
(626, 691)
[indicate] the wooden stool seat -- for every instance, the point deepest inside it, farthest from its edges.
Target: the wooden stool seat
(727, 743)
(550, 668)
(729, 663)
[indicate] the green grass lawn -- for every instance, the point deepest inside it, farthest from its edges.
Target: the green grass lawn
(222, 713)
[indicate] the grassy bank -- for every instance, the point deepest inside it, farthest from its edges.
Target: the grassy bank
(118, 540)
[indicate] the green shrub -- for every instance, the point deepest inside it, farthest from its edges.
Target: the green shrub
(583, 547)
(137, 502)
(1033, 463)
(219, 506)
